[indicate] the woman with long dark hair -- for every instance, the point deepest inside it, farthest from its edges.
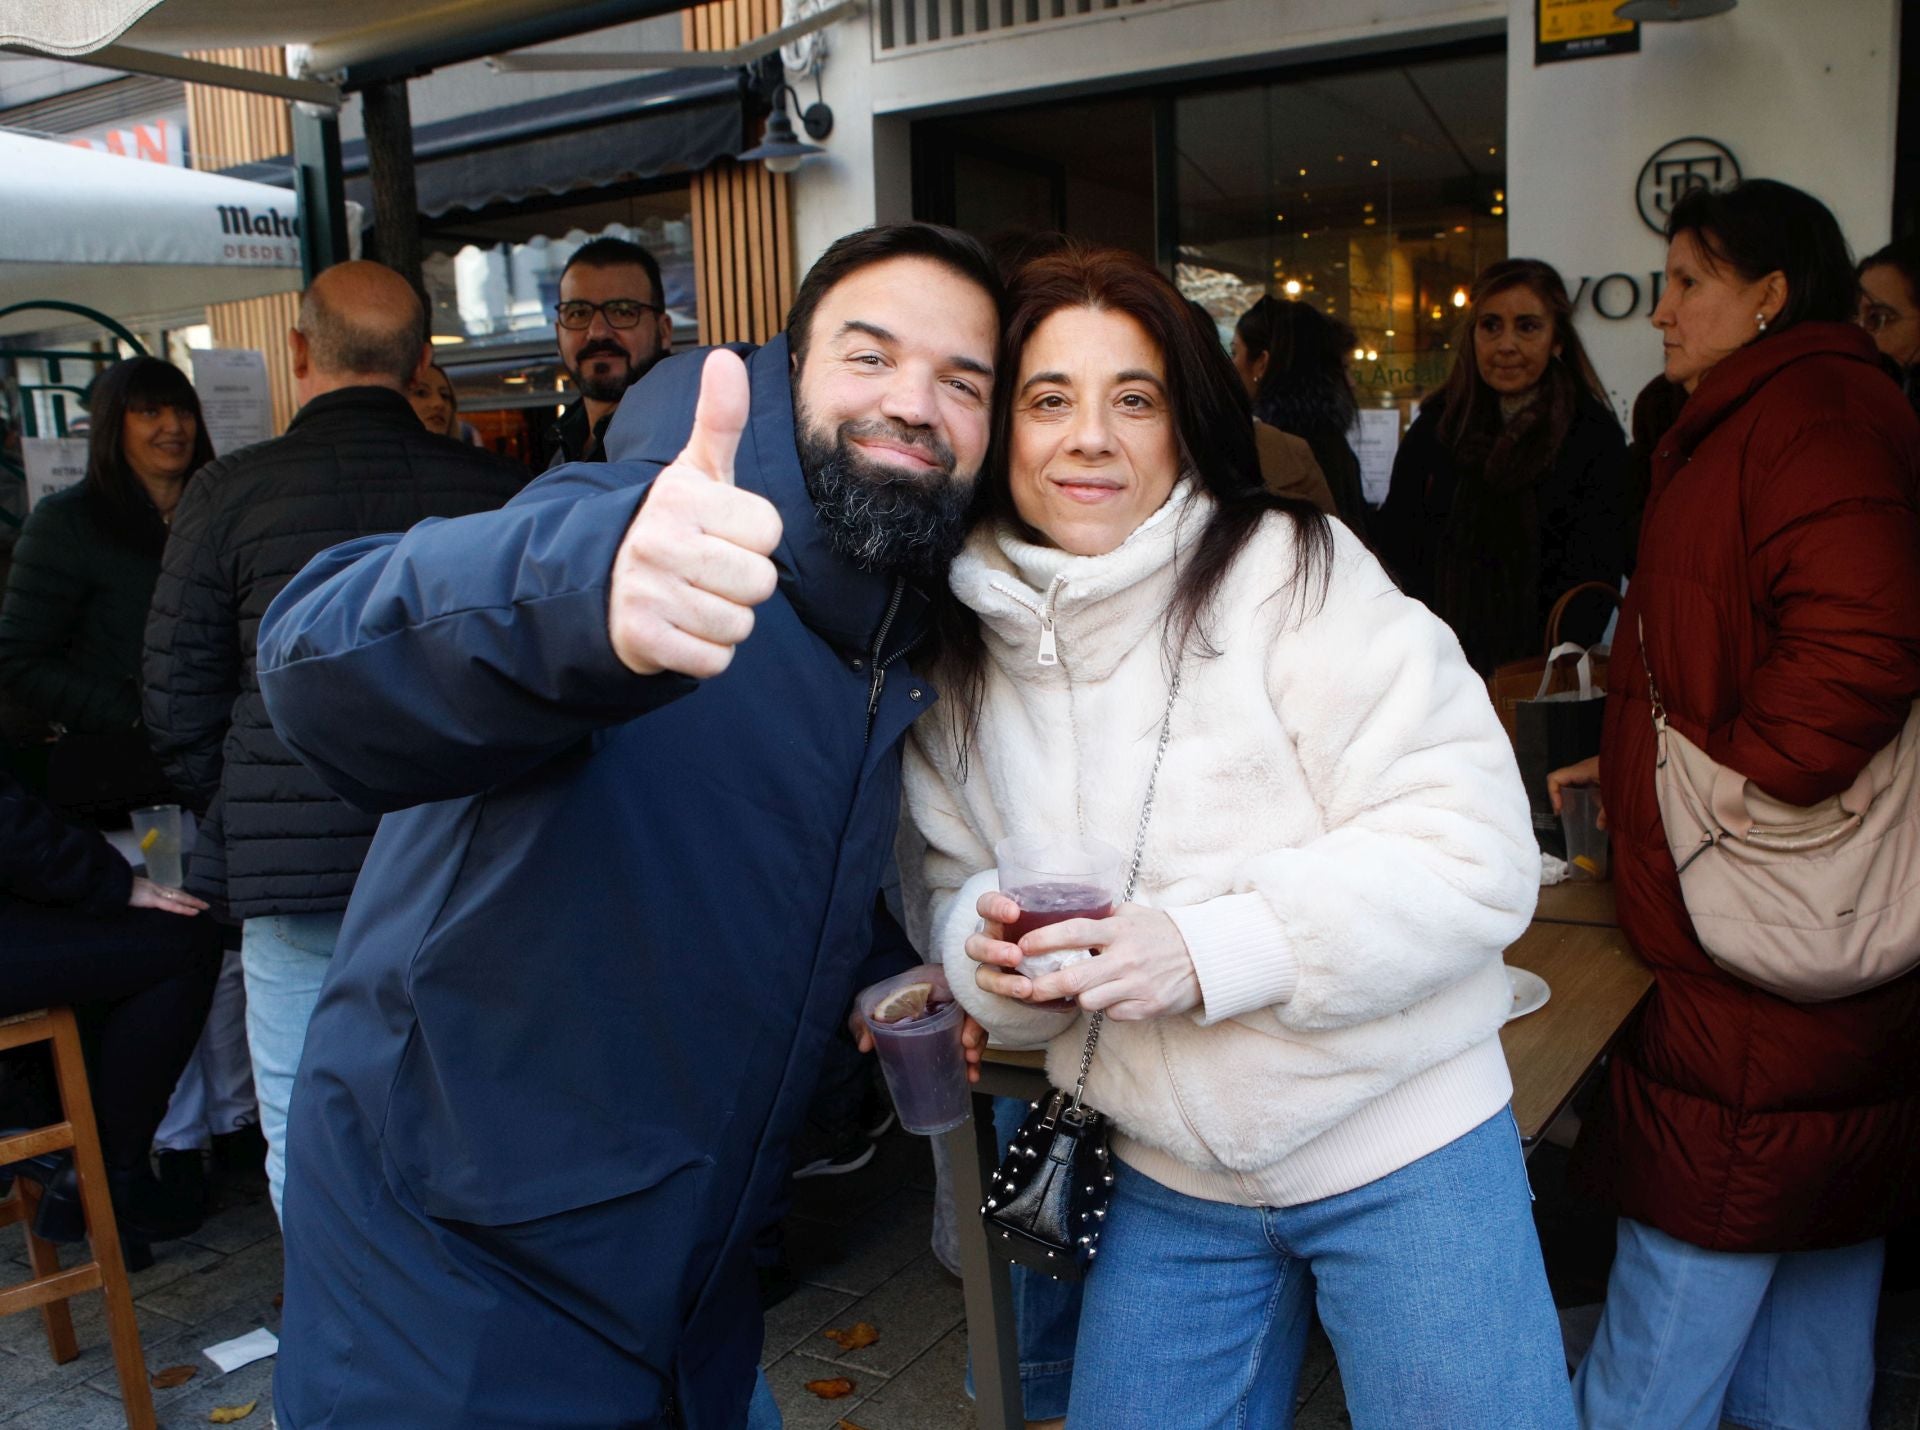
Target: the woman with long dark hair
(1289, 355)
(1510, 487)
(1304, 993)
(1758, 1150)
(87, 560)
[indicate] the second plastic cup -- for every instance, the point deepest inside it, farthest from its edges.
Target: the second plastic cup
(917, 1036)
(1586, 840)
(157, 832)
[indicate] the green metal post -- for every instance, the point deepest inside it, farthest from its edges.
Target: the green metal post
(321, 187)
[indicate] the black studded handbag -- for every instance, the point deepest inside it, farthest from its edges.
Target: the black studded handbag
(1047, 1200)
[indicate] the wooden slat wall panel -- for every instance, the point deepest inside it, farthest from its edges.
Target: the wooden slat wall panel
(227, 127)
(742, 215)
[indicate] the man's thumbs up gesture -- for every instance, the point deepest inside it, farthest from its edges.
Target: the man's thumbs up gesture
(695, 562)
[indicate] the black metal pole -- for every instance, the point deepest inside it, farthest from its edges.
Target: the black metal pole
(396, 204)
(321, 187)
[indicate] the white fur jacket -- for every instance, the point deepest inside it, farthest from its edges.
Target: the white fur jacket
(1339, 833)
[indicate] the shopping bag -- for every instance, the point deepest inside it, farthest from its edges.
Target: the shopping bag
(1556, 728)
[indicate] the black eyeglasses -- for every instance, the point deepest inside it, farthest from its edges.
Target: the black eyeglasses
(577, 313)
(1877, 317)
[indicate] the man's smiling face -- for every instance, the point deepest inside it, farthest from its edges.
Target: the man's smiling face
(892, 409)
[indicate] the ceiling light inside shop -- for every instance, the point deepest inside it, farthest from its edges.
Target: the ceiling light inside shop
(1438, 312)
(1372, 355)
(1497, 210)
(1459, 297)
(518, 379)
(1366, 222)
(1375, 163)
(441, 340)
(1459, 228)
(1391, 333)
(1291, 288)
(1366, 208)
(1499, 196)
(1359, 354)
(1493, 149)
(1303, 173)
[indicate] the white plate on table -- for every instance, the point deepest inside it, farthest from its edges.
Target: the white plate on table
(1530, 992)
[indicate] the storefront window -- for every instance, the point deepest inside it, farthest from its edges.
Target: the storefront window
(1374, 195)
(493, 282)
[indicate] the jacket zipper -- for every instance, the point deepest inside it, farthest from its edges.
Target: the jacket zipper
(879, 680)
(1048, 654)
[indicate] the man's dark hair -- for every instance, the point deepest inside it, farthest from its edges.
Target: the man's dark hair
(1763, 225)
(613, 252)
(948, 247)
(371, 344)
(1903, 256)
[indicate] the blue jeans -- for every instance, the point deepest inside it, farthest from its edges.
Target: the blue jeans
(285, 957)
(1775, 1341)
(1428, 1281)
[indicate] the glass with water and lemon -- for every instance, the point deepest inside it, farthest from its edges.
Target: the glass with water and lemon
(157, 832)
(916, 1031)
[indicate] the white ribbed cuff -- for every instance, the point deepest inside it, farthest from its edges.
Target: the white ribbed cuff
(1240, 953)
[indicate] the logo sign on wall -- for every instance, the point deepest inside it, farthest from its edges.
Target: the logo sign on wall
(1676, 169)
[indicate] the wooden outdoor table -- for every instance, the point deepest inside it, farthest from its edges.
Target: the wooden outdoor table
(1595, 983)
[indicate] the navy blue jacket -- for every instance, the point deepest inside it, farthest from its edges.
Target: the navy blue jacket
(608, 921)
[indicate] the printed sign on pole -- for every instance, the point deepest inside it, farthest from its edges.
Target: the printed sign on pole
(232, 383)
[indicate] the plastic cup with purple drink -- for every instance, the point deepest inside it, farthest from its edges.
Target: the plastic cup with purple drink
(916, 1031)
(1053, 878)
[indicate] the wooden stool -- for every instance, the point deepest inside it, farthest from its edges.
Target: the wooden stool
(50, 1287)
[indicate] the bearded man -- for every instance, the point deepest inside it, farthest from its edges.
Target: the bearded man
(637, 737)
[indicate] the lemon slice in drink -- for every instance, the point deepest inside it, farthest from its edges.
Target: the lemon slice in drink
(903, 1004)
(149, 839)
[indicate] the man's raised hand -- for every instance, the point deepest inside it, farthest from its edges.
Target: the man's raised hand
(695, 561)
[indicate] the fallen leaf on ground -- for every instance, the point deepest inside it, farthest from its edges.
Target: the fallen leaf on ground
(845, 1425)
(228, 1414)
(279, 1300)
(173, 1375)
(831, 1389)
(857, 1337)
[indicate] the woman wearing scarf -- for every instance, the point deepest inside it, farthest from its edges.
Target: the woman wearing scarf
(1510, 487)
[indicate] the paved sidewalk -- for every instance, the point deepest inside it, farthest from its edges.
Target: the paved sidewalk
(859, 1249)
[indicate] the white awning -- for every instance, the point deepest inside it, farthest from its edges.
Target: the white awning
(134, 239)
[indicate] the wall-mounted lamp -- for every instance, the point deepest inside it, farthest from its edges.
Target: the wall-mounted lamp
(782, 150)
(1658, 11)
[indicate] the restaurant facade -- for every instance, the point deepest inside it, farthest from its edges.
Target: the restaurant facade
(1366, 156)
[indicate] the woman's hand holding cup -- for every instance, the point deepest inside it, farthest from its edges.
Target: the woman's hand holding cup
(1143, 969)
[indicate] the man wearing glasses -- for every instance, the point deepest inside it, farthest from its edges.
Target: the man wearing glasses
(611, 323)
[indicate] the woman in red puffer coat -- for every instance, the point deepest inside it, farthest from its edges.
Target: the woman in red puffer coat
(1758, 1149)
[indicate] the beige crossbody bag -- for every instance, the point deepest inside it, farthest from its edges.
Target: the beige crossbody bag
(1813, 903)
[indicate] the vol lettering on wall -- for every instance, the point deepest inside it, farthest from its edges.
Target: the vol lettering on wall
(1580, 30)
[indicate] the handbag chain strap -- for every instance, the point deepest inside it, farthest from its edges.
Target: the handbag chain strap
(1133, 874)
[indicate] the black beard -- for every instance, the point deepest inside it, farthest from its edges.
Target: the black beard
(878, 517)
(614, 386)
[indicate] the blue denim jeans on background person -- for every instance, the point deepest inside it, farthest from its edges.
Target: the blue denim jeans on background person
(1046, 1312)
(1428, 1281)
(286, 957)
(1772, 1341)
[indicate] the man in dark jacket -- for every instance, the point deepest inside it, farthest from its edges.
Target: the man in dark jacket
(640, 733)
(277, 846)
(611, 326)
(137, 965)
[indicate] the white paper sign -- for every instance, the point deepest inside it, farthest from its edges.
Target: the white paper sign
(232, 383)
(1376, 439)
(52, 463)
